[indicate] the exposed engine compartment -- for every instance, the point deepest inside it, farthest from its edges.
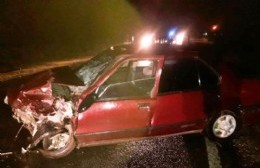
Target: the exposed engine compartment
(44, 109)
(58, 109)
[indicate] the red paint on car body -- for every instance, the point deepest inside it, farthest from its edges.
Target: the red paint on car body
(250, 92)
(179, 108)
(115, 115)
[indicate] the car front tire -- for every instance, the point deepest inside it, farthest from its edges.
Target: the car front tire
(59, 145)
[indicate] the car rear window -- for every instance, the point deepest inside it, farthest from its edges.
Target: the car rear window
(178, 75)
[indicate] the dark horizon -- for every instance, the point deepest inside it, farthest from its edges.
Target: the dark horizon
(44, 30)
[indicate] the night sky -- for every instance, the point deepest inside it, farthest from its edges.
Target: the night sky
(232, 15)
(36, 31)
(61, 29)
(180, 12)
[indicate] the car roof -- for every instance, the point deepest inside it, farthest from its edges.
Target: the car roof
(166, 50)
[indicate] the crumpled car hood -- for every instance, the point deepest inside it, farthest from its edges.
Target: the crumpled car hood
(40, 100)
(37, 88)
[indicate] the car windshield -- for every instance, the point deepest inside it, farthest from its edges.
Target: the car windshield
(93, 68)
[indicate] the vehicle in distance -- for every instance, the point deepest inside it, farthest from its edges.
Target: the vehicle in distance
(122, 94)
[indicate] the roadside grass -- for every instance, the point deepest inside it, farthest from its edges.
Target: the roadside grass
(30, 69)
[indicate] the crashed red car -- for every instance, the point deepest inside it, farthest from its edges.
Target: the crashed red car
(122, 94)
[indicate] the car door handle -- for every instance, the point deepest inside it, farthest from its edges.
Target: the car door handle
(145, 106)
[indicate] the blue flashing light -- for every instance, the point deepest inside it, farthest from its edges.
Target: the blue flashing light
(171, 33)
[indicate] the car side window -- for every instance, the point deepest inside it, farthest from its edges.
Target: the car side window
(208, 77)
(134, 79)
(178, 75)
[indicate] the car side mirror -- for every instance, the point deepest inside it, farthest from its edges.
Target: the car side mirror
(87, 102)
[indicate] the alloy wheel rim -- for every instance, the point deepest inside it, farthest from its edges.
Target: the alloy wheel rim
(224, 126)
(58, 141)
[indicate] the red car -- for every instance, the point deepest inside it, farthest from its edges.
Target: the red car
(121, 94)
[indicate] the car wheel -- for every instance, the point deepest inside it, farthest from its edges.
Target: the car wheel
(58, 145)
(224, 126)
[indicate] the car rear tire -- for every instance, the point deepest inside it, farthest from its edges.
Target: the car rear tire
(223, 127)
(59, 145)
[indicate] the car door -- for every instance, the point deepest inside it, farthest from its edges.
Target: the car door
(180, 101)
(124, 102)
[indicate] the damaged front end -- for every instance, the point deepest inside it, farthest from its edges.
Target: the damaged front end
(46, 110)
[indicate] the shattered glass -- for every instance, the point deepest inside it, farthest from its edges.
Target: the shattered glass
(92, 69)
